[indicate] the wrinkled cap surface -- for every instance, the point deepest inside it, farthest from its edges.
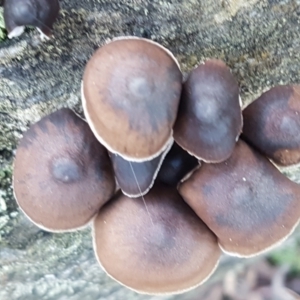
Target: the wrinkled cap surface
(272, 124)
(131, 90)
(170, 251)
(62, 175)
(38, 13)
(245, 201)
(209, 116)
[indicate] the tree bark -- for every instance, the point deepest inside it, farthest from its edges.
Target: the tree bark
(259, 40)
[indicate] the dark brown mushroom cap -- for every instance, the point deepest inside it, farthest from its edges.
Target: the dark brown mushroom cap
(209, 116)
(176, 165)
(169, 250)
(131, 91)
(245, 201)
(38, 13)
(272, 124)
(136, 178)
(62, 175)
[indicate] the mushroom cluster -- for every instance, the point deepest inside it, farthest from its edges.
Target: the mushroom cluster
(162, 211)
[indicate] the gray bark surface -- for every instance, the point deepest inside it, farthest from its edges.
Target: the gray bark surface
(259, 40)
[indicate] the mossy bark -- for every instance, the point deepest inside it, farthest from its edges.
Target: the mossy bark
(259, 40)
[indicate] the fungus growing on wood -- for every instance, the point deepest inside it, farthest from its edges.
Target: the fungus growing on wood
(209, 117)
(272, 124)
(157, 244)
(130, 93)
(38, 13)
(163, 249)
(245, 201)
(62, 175)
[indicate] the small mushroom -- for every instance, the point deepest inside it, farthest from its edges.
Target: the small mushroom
(209, 117)
(130, 93)
(38, 13)
(136, 178)
(62, 175)
(176, 165)
(272, 124)
(163, 248)
(245, 201)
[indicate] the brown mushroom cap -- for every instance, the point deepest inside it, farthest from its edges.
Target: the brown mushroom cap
(272, 124)
(176, 165)
(62, 175)
(245, 201)
(168, 250)
(38, 13)
(130, 93)
(136, 178)
(209, 117)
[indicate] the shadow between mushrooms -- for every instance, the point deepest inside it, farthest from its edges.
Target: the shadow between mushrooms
(176, 165)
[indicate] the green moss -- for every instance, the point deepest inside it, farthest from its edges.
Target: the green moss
(288, 256)
(2, 26)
